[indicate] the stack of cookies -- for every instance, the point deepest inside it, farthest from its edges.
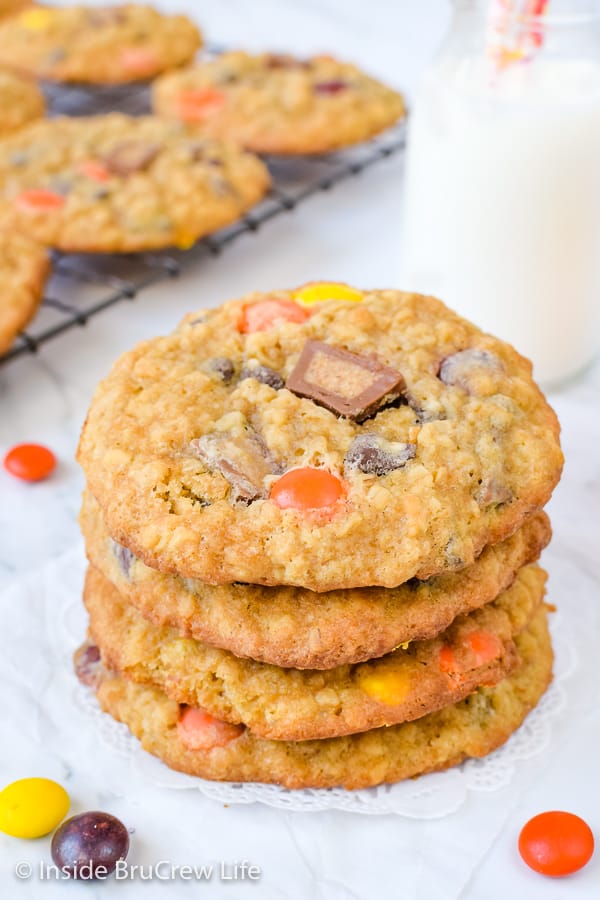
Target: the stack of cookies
(312, 519)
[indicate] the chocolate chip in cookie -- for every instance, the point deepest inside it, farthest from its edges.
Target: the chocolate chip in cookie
(243, 460)
(264, 374)
(373, 455)
(128, 157)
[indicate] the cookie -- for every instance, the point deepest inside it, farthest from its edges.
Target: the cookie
(107, 45)
(293, 627)
(295, 705)
(346, 443)
(21, 101)
(114, 183)
(472, 728)
(24, 268)
(10, 7)
(279, 104)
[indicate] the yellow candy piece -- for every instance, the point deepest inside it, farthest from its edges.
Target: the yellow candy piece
(385, 687)
(32, 807)
(185, 241)
(36, 19)
(321, 291)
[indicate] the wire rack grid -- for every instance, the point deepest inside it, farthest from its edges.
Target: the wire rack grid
(83, 285)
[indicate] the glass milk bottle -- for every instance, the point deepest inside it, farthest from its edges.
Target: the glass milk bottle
(502, 217)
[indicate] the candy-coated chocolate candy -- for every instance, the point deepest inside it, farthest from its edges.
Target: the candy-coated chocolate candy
(556, 843)
(138, 59)
(198, 730)
(90, 845)
(307, 488)
(321, 291)
(39, 200)
(94, 169)
(37, 19)
(446, 660)
(484, 645)
(32, 807)
(195, 104)
(30, 462)
(386, 687)
(268, 313)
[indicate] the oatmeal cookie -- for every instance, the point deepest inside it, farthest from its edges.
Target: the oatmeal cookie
(279, 104)
(114, 183)
(297, 705)
(24, 267)
(21, 101)
(332, 444)
(288, 626)
(191, 741)
(96, 45)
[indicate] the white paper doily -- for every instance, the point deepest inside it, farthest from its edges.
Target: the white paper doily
(427, 797)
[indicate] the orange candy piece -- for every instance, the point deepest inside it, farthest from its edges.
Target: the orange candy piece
(307, 489)
(196, 104)
(39, 200)
(94, 169)
(268, 313)
(30, 462)
(556, 843)
(139, 60)
(484, 646)
(198, 730)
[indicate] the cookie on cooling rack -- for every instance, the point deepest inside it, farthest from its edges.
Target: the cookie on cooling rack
(21, 102)
(288, 626)
(96, 45)
(280, 104)
(192, 741)
(297, 705)
(24, 267)
(289, 438)
(113, 183)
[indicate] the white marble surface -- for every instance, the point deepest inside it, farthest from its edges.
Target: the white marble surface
(350, 234)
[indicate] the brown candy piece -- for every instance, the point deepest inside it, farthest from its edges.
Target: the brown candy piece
(350, 385)
(373, 455)
(124, 557)
(264, 374)
(128, 157)
(462, 369)
(243, 460)
(223, 367)
(492, 492)
(87, 664)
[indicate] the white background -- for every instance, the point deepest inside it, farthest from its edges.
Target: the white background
(352, 234)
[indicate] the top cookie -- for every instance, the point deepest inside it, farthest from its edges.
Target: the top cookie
(288, 438)
(279, 104)
(21, 101)
(97, 45)
(116, 183)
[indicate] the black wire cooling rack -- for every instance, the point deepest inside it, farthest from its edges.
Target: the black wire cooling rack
(83, 285)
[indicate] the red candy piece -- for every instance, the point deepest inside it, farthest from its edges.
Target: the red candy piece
(94, 169)
(556, 843)
(268, 313)
(39, 200)
(195, 104)
(446, 660)
(30, 462)
(307, 489)
(198, 730)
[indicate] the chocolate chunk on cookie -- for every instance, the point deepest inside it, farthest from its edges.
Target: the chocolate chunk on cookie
(373, 455)
(243, 460)
(128, 157)
(264, 374)
(345, 383)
